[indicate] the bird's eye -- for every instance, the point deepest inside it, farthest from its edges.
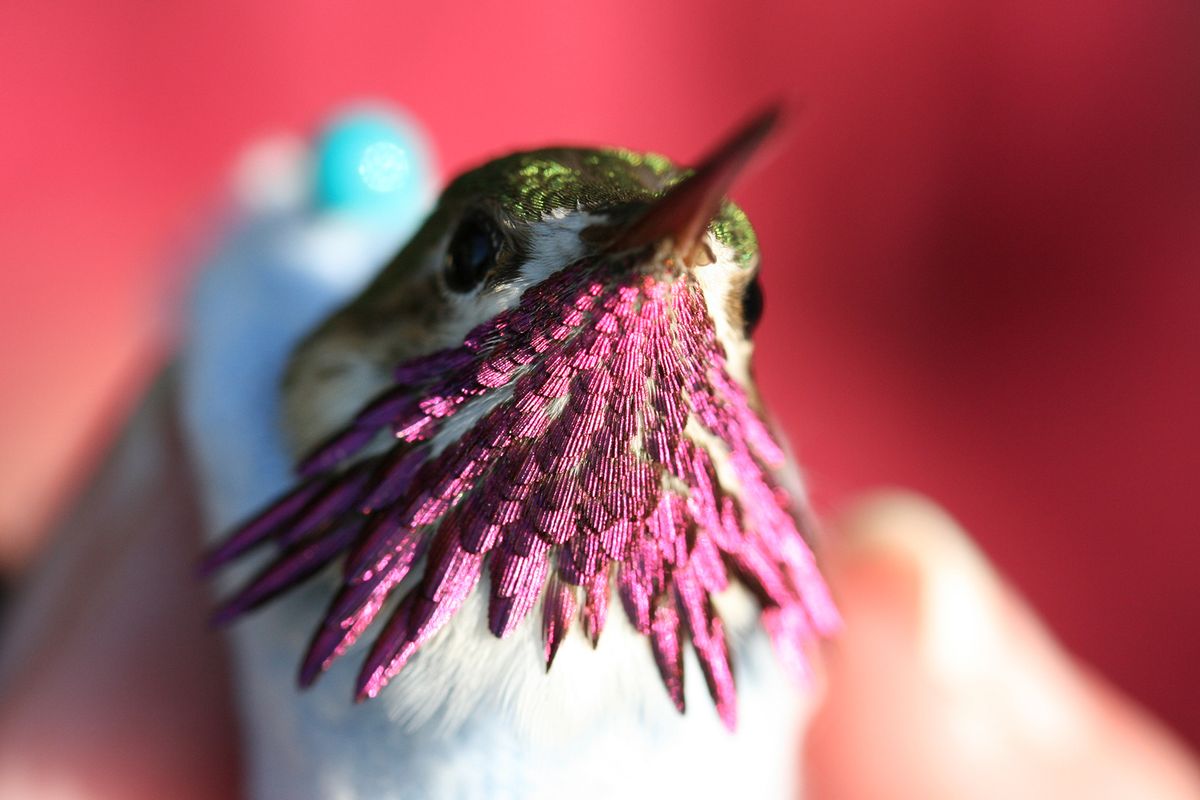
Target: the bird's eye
(473, 252)
(752, 305)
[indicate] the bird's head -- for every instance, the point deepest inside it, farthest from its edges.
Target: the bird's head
(549, 386)
(511, 223)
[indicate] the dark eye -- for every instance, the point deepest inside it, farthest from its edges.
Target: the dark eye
(472, 253)
(752, 306)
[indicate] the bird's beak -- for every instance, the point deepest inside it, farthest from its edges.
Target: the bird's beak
(684, 212)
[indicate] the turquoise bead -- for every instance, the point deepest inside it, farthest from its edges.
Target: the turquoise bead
(372, 161)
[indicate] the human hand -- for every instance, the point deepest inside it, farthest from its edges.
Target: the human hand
(945, 684)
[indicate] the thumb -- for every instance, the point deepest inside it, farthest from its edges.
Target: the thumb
(945, 685)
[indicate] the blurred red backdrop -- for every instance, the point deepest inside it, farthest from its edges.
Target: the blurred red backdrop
(982, 256)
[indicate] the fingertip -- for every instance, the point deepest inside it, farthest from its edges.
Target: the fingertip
(960, 610)
(945, 683)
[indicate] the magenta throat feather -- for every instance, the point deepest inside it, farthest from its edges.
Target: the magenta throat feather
(605, 398)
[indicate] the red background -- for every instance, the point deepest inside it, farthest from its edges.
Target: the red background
(981, 240)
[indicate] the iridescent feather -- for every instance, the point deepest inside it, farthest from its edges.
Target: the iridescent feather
(583, 479)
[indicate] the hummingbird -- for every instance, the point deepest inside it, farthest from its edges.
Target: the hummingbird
(536, 488)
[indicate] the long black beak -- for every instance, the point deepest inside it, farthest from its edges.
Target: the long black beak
(684, 212)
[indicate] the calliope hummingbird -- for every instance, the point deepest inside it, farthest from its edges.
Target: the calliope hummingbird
(541, 521)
